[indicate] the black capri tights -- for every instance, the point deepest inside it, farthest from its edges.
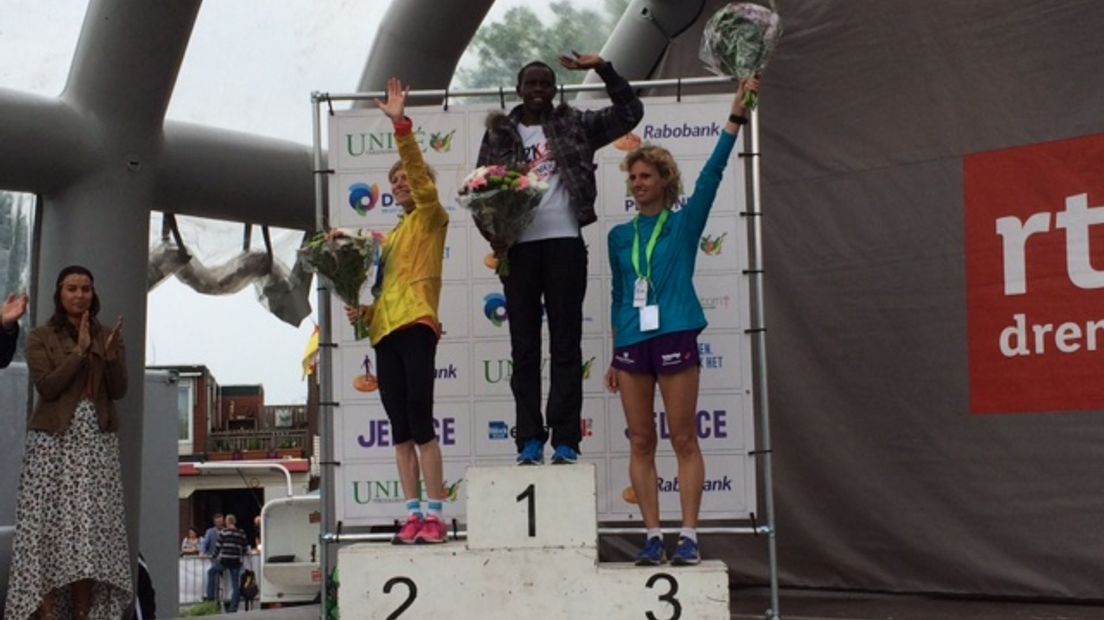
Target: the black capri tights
(405, 361)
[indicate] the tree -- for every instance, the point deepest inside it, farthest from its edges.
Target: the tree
(504, 47)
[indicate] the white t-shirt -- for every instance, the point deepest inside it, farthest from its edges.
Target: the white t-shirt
(553, 217)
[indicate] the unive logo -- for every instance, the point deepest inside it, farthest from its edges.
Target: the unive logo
(363, 197)
(494, 308)
(441, 142)
(711, 246)
(390, 491)
(1034, 232)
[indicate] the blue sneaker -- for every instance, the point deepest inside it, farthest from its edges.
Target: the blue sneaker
(686, 553)
(532, 453)
(652, 554)
(564, 455)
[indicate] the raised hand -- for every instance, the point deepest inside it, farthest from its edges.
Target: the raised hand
(111, 349)
(581, 62)
(395, 105)
(84, 335)
(14, 307)
(748, 90)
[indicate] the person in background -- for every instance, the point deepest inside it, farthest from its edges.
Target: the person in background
(230, 550)
(548, 264)
(404, 328)
(14, 307)
(211, 536)
(70, 548)
(190, 544)
(656, 318)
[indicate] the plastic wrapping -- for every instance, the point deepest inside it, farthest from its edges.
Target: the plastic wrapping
(738, 40)
(211, 258)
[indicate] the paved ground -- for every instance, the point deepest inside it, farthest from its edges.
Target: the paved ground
(819, 605)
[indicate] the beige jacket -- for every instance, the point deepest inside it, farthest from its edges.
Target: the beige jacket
(59, 374)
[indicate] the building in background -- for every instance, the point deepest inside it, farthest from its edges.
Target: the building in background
(231, 447)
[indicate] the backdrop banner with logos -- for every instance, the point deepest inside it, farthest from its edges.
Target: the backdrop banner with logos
(474, 407)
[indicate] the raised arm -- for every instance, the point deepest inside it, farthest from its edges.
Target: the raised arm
(422, 187)
(705, 189)
(624, 113)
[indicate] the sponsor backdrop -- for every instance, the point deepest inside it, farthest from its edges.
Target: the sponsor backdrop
(474, 406)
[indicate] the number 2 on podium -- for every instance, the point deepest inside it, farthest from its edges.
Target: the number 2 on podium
(530, 493)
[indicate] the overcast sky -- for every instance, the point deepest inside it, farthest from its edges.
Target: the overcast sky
(251, 66)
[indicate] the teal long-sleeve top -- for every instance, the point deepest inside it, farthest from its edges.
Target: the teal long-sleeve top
(673, 260)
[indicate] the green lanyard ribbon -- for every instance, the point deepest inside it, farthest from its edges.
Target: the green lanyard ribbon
(650, 248)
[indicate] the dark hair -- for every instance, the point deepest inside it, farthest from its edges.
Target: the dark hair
(60, 320)
(536, 63)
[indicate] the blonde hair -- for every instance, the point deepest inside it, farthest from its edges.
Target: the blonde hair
(395, 167)
(660, 159)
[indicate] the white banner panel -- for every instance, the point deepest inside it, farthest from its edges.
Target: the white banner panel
(474, 407)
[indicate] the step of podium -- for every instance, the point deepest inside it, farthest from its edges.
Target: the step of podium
(531, 553)
(380, 581)
(532, 507)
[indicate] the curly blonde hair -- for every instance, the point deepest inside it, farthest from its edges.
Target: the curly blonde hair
(660, 159)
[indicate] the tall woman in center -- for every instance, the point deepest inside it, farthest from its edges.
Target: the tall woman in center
(656, 319)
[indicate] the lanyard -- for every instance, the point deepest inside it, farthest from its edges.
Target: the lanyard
(650, 247)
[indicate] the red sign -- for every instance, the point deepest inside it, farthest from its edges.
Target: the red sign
(1034, 235)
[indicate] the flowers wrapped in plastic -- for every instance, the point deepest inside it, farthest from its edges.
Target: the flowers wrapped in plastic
(738, 40)
(345, 260)
(501, 201)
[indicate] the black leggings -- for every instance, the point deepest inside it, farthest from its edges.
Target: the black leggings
(405, 362)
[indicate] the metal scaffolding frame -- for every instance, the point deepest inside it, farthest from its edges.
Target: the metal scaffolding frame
(757, 330)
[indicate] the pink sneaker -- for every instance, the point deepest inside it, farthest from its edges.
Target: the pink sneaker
(433, 531)
(408, 533)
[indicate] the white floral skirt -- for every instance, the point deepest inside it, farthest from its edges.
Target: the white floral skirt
(69, 521)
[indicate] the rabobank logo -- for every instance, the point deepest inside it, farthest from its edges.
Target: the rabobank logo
(363, 197)
(494, 308)
(685, 130)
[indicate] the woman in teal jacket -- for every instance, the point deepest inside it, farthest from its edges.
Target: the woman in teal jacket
(656, 319)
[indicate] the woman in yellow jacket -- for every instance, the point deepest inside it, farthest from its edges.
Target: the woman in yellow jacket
(404, 328)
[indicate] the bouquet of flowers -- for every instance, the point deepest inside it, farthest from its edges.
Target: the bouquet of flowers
(501, 201)
(345, 260)
(738, 41)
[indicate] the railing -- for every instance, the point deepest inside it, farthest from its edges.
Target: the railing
(266, 440)
(193, 579)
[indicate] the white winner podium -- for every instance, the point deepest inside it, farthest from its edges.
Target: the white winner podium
(531, 553)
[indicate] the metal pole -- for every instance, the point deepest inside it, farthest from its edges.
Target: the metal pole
(248, 465)
(325, 364)
(495, 92)
(758, 322)
(332, 537)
